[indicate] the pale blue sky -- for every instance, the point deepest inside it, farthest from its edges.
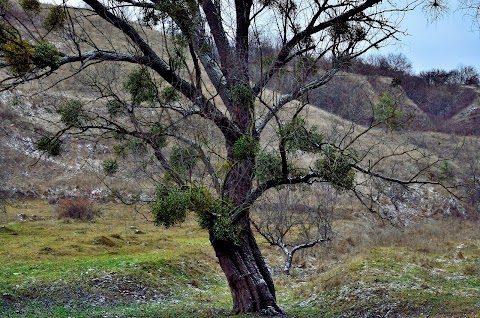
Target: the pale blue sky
(444, 44)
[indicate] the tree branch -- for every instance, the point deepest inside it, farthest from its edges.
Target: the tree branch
(102, 55)
(262, 122)
(164, 70)
(311, 29)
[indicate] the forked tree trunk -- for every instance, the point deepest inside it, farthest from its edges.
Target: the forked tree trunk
(250, 281)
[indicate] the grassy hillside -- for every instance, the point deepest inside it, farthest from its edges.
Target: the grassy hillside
(123, 266)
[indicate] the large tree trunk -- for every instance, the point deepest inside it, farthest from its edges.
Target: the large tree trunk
(250, 281)
(247, 274)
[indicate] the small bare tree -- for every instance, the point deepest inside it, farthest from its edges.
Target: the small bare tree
(295, 217)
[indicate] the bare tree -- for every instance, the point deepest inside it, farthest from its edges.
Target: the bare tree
(295, 218)
(186, 65)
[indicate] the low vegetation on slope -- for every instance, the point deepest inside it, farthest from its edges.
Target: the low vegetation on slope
(122, 266)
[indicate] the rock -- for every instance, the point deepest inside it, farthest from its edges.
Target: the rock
(21, 217)
(139, 232)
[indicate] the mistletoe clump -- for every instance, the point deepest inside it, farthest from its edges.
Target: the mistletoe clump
(173, 203)
(18, 54)
(335, 167)
(32, 6)
(140, 86)
(45, 54)
(297, 136)
(245, 147)
(214, 215)
(267, 166)
(387, 112)
(7, 33)
(242, 94)
(115, 107)
(55, 19)
(171, 209)
(183, 160)
(169, 94)
(72, 114)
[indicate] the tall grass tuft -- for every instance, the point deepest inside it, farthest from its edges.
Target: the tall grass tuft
(77, 208)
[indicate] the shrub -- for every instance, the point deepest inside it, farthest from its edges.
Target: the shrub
(110, 167)
(77, 208)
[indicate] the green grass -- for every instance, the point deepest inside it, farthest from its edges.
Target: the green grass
(53, 268)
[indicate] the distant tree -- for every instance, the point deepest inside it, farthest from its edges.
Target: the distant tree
(387, 113)
(464, 75)
(393, 62)
(399, 62)
(183, 86)
(395, 65)
(436, 77)
(468, 75)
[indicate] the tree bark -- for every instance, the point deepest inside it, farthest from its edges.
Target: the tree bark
(250, 281)
(288, 263)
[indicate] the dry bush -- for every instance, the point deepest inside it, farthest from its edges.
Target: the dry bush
(77, 208)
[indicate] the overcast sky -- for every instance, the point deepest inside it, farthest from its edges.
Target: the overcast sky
(444, 44)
